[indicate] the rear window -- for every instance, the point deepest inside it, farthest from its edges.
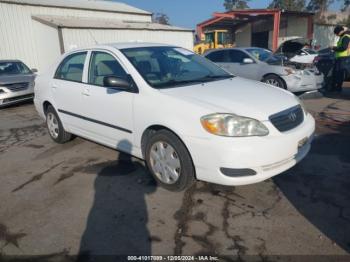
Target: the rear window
(13, 68)
(72, 67)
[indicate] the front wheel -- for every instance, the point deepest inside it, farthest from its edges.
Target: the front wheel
(169, 161)
(274, 81)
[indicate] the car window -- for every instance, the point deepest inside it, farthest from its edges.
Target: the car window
(218, 56)
(13, 68)
(260, 53)
(164, 67)
(72, 67)
(103, 64)
(236, 56)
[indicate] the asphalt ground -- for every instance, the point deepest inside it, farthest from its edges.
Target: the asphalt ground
(84, 198)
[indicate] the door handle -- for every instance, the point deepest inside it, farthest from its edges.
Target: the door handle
(54, 86)
(86, 92)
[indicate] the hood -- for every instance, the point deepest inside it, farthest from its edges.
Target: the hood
(239, 96)
(11, 79)
(292, 46)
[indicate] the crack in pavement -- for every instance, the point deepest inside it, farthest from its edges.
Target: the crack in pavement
(36, 177)
(230, 198)
(18, 136)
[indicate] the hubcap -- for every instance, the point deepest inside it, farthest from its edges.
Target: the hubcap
(272, 82)
(52, 125)
(165, 162)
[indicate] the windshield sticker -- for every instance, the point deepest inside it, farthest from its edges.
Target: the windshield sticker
(183, 51)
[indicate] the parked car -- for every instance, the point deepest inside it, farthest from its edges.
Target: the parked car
(185, 116)
(262, 65)
(296, 51)
(305, 56)
(16, 82)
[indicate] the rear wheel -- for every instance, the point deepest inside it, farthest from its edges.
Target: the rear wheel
(54, 125)
(274, 81)
(169, 161)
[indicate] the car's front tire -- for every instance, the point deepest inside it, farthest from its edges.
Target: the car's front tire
(274, 80)
(55, 127)
(169, 161)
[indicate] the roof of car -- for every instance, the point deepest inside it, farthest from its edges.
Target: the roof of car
(234, 48)
(121, 45)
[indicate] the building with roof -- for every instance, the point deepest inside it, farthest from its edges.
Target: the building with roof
(39, 31)
(265, 28)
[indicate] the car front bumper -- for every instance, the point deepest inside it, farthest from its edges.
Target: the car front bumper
(300, 83)
(9, 97)
(265, 156)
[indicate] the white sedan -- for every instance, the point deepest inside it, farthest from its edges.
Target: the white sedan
(185, 116)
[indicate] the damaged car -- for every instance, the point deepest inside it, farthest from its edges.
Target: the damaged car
(279, 69)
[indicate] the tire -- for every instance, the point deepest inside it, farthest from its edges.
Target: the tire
(164, 168)
(274, 81)
(55, 127)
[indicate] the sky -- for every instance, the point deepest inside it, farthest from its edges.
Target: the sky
(187, 13)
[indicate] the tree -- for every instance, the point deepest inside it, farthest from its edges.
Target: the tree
(236, 4)
(290, 5)
(319, 7)
(161, 18)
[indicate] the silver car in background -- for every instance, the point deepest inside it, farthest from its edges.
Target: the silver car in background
(16, 82)
(262, 65)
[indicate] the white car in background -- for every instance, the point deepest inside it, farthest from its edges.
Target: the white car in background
(185, 116)
(272, 68)
(305, 56)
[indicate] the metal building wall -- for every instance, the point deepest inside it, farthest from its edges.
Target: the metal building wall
(86, 37)
(324, 36)
(17, 29)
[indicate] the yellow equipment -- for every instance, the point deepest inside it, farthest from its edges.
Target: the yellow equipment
(213, 40)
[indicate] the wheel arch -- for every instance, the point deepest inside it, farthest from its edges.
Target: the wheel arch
(46, 105)
(154, 128)
(276, 75)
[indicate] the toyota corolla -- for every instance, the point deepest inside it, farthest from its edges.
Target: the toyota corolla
(185, 116)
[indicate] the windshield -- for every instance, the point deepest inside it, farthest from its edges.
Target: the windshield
(260, 53)
(164, 67)
(13, 68)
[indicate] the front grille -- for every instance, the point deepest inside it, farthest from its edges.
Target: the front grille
(288, 119)
(17, 86)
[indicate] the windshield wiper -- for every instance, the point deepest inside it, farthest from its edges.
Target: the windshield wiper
(218, 76)
(174, 83)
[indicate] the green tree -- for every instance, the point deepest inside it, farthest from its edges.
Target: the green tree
(160, 18)
(290, 5)
(236, 4)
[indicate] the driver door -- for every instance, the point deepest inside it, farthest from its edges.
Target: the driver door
(108, 111)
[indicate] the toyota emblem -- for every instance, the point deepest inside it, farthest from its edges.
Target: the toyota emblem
(292, 117)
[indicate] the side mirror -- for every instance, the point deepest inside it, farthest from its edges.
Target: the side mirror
(116, 83)
(34, 70)
(248, 61)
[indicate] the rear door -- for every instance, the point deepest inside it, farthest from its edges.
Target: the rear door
(67, 88)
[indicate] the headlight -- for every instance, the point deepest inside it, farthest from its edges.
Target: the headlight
(302, 105)
(233, 125)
